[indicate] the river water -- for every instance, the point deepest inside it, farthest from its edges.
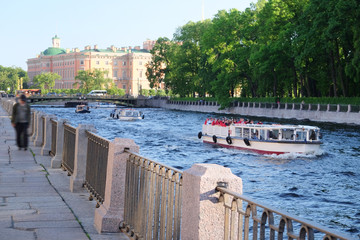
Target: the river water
(323, 188)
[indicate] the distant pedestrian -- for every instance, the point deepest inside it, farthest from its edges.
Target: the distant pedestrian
(20, 121)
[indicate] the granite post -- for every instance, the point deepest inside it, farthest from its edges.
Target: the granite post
(39, 130)
(57, 159)
(109, 215)
(35, 119)
(77, 179)
(202, 215)
(46, 147)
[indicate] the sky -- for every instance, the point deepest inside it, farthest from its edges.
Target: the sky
(27, 26)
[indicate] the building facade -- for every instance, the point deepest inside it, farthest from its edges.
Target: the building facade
(126, 66)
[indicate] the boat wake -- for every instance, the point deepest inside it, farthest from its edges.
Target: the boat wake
(290, 156)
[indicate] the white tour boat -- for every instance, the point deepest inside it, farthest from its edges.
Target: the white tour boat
(126, 114)
(264, 138)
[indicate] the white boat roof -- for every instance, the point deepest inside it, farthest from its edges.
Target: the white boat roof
(276, 126)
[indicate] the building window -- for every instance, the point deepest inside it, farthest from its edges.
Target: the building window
(124, 86)
(124, 63)
(97, 62)
(82, 62)
(107, 63)
(140, 74)
(124, 74)
(115, 63)
(115, 73)
(140, 63)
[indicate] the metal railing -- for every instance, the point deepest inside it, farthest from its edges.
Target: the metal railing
(242, 221)
(96, 166)
(53, 137)
(152, 199)
(68, 156)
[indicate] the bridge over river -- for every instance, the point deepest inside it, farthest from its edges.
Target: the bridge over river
(125, 101)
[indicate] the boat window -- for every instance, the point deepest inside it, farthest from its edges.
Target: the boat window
(312, 135)
(274, 134)
(246, 133)
(262, 134)
(300, 135)
(288, 134)
(254, 134)
(238, 132)
(128, 114)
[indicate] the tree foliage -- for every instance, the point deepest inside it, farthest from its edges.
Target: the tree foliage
(274, 48)
(46, 80)
(92, 79)
(11, 77)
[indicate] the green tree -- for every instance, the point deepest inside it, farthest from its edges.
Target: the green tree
(158, 67)
(187, 62)
(11, 77)
(46, 80)
(227, 47)
(92, 79)
(116, 91)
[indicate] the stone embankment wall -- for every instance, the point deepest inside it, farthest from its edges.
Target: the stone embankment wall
(347, 114)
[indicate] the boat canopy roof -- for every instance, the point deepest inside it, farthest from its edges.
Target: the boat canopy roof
(275, 126)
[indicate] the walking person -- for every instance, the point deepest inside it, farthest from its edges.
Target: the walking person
(20, 121)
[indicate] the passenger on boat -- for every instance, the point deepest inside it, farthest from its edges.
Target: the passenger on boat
(312, 135)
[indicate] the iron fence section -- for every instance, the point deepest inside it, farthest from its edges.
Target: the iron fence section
(96, 166)
(68, 156)
(313, 107)
(246, 219)
(54, 125)
(332, 107)
(343, 108)
(152, 199)
(323, 107)
(355, 108)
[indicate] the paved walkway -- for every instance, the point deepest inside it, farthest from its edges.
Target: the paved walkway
(35, 200)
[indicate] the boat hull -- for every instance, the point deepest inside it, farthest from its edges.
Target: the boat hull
(128, 118)
(265, 147)
(83, 111)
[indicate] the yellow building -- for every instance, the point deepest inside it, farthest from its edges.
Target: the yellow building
(126, 66)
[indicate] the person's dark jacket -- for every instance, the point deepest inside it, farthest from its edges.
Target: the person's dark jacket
(14, 113)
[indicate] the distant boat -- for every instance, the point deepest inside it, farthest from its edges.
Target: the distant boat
(101, 105)
(82, 109)
(264, 138)
(126, 114)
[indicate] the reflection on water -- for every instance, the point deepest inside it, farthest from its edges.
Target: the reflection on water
(324, 187)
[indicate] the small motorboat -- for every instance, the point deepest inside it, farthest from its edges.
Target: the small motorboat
(126, 114)
(82, 109)
(264, 138)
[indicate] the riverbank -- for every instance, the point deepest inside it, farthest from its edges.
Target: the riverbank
(343, 114)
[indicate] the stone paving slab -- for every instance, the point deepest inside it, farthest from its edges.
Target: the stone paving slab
(46, 224)
(15, 206)
(16, 212)
(60, 234)
(15, 234)
(45, 217)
